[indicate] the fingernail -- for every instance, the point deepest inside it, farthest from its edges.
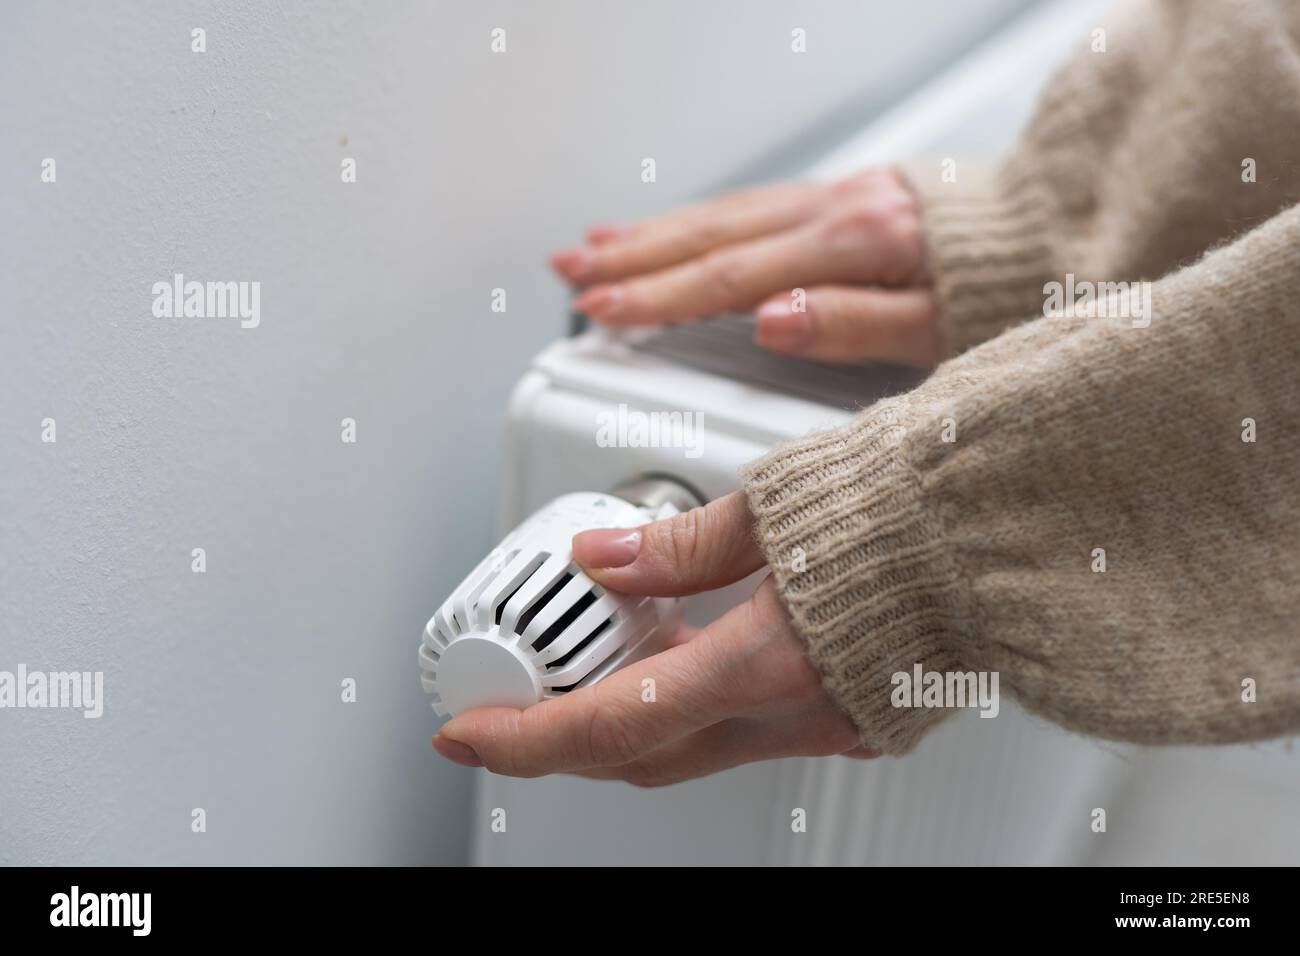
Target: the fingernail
(780, 327)
(599, 303)
(456, 752)
(606, 547)
(575, 264)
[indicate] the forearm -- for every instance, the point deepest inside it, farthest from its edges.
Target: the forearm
(1070, 435)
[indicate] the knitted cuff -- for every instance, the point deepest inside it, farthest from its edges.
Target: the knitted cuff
(989, 247)
(862, 567)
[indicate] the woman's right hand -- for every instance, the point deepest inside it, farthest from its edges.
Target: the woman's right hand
(853, 247)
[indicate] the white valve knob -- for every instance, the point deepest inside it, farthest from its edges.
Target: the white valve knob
(529, 624)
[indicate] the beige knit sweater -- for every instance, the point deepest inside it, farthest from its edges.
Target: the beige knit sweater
(963, 526)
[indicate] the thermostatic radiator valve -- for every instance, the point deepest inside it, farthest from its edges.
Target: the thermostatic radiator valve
(529, 624)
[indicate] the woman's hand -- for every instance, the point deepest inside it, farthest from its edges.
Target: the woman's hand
(854, 247)
(739, 690)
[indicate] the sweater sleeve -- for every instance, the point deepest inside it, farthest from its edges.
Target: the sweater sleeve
(1174, 129)
(965, 525)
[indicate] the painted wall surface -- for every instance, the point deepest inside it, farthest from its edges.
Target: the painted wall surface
(323, 557)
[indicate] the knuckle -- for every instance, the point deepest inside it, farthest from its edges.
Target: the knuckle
(609, 740)
(904, 228)
(889, 224)
(725, 273)
(512, 747)
(680, 538)
(877, 210)
(865, 215)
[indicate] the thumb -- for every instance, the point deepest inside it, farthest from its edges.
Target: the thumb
(698, 550)
(845, 324)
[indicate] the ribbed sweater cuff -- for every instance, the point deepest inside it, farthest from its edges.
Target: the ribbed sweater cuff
(862, 567)
(988, 246)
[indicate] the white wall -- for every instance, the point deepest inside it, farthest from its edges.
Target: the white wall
(323, 559)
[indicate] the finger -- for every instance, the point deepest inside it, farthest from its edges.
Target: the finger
(843, 324)
(606, 724)
(619, 252)
(697, 550)
(738, 277)
(607, 232)
(731, 743)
